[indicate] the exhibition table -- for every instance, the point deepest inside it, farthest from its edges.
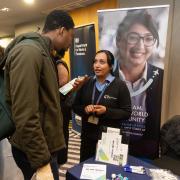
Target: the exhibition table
(75, 172)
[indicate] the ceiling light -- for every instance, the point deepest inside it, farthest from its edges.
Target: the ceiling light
(29, 1)
(5, 41)
(5, 9)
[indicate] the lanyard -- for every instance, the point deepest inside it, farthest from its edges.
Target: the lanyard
(102, 92)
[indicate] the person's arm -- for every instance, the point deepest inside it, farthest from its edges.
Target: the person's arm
(78, 104)
(79, 82)
(63, 74)
(25, 72)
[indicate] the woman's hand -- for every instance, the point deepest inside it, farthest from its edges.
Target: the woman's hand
(79, 82)
(99, 109)
(89, 109)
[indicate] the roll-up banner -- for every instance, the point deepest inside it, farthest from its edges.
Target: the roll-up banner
(82, 53)
(137, 38)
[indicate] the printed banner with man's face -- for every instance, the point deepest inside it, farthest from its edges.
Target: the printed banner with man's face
(137, 38)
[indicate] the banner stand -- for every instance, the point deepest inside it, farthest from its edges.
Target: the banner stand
(82, 53)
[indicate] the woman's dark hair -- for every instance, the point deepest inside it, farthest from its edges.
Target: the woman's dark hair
(110, 56)
(57, 19)
(140, 17)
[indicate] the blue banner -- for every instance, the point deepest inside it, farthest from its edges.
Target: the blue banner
(82, 53)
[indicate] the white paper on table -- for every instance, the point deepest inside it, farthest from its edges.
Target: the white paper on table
(111, 142)
(108, 137)
(100, 155)
(113, 130)
(67, 87)
(108, 148)
(121, 155)
(93, 172)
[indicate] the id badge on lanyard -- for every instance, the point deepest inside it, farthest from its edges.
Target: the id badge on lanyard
(93, 119)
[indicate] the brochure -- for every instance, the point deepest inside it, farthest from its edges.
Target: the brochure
(93, 172)
(67, 87)
(110, 149)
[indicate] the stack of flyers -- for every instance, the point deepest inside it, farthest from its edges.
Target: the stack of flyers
(110, 149)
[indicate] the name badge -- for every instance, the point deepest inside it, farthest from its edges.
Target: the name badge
(93, 120)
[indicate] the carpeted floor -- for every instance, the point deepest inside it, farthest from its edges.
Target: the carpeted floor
(73, 153)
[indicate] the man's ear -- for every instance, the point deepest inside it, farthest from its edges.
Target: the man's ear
(61, 30)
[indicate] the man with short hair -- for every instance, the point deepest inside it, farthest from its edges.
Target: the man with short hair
(33, 96)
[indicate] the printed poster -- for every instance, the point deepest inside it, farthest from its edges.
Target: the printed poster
(137, 38)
